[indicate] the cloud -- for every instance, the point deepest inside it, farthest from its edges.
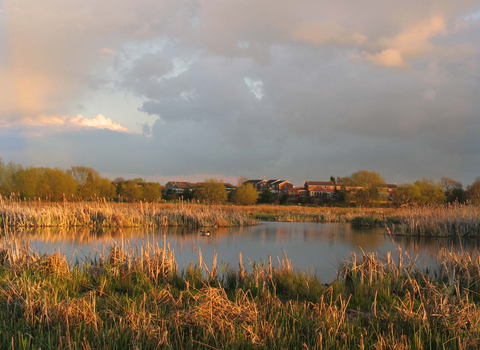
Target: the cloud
(52, 122)
(430, 95)
(327, 33)
(108, 51)
(99, 122)
(411, 43)
(243, 87)
(255, 86)
(386, 58)
(472, 16)
(415, 42)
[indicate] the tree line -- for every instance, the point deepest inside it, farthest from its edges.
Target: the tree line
(84, 183)
(421, 192)
(77, 183)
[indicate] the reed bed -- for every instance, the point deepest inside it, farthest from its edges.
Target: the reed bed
(447, 220)
(310, 214)
(107, 214)
(138, 298)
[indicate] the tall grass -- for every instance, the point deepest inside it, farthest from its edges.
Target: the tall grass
(447, 220)
(107, 214)
(310, 214)
(138, 298)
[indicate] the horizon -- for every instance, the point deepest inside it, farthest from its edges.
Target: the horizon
(233, 180)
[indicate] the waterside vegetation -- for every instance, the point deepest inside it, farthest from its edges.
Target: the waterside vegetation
(109, 214)
(138, 298)
(434, 220)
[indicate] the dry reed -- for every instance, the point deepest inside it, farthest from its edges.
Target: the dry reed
(106, 214)
(445, 220)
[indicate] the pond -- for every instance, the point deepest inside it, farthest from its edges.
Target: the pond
(312, 247)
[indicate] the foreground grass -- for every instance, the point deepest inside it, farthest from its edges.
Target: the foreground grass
(139, 299)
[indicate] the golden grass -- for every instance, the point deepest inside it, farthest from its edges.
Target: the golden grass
(443, 220)
(106, 214)
(214, 312)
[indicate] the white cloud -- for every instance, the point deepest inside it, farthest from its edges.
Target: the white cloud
(256, 87)
(99, 122)
(180, 66)
(48, 122)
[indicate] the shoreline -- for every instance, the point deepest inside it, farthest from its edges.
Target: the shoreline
(441, 220)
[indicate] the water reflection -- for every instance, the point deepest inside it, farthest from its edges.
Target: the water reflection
(320, 248)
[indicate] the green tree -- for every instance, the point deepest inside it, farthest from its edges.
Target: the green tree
(472, 193)
(105, 189)
(334, 180)
(364, 187)
(453, 190)
(55, 184)
(422, 192)
(406, 194)
(170, 195)
(130, 191)
(152, 191)
(266, 196)
(6, 178)
(86, 179)
(187, 194)
(283, 199)
(91, 184)
(431, 192)
(212, 191)
(245, 195)
(26, 181)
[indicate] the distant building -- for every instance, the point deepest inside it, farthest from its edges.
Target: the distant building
(318, 188)
(297, 192)
(275, 185)
(182, 186)
(179, 186)
(228, 186)
(258, 184)
(279, 186)
(388, 191)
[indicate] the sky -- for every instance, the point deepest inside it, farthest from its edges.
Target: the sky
(192, 89)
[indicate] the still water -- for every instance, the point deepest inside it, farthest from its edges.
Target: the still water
(318, 248)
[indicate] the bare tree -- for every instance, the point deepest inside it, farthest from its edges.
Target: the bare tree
(241, 180)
